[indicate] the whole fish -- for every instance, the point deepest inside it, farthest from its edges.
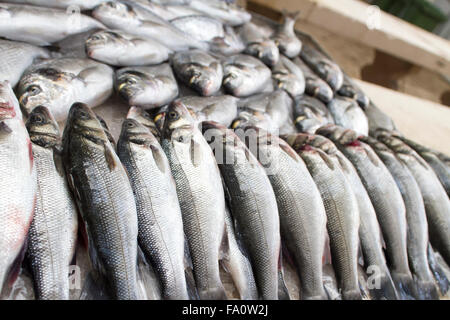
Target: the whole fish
(160, 224)
(258, 45)
(310, 114)
(53, 232)
(436, 201)
(252, 203)
(285, 37)
(201, 196)
(18, 186)
(415, 217)
(350, 90)
(341, 209)
(221, 109)
(119, 48)
(16, 57)
(58, 83)
(41, 26)
(301, 210)
(228, 13)
(324, 67)
(198, 70)
(105, 198)
(135, 19)
(63, 4)
(245, 75)
(314, 86)
(346, 113)
(289, 77)
(148, 87)
(200, 27)
(144, 118)
(386, 199)
(251, 117)
(229, 44)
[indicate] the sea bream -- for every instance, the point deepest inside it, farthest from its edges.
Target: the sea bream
(310, 114)
(351, 90)
(41, 26)
(285, 37)
(53, 232)
(289, 77)
(258, 45)
(347, 114)
(18, 186)
(58, 83)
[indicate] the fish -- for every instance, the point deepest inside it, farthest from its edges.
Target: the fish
(147, 86)
(221, 109)
(105, 200)
(60, 82)
(351, 90)
(144, 118)
(347, 114)
(416, 219)
(227, 45)
(378, 119)
(18, 182)
(201, 196)
(106, 130)
(122, 49)
(229, 13)
(53, 232)
(289, 77)
(252, 202)
(285, 38)
(439, 269)
(62, 4)
(314, 86)
(330, 283)
(41, 26)
(310, 114)
(341, 209)
(323, 67)
(160, 225)
(200, 27)
(16, 57)
(244, 75)
(168, 11)
(300, 206)
(258, 45)
(436, 201)
(251, 117)
(386, 200)
(198, 70)
(135, 19)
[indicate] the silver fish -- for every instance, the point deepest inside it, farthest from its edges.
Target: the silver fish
(58, 83)
(351, 90)
(148, 87)
(144, 118)
(53, 232)
(18, 182)
(258, 45)
(251, 117)
(346, 113)
(201, 196)
(41, 26)
(198, 70)
(378, 119)
(285, 37)
(63, 4)
(289, 77)
(228, 13)
(310, 114)
(119, 48)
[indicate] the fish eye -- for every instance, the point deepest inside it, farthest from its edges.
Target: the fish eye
(83, 114)
(130, 124)
(173, 115)
(96, 37)
(131, 81)
(33, 89)
(37, 118)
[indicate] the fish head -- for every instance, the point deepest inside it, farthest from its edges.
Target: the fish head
(376, 145)
(322, 143)
(226, 146)
(300, 141)
(234, 75)
(319, 89)
(266, 51)
(43, 128)
(178, 123)
(9, 106)
(102, 43)
(135, 132)
(133, 85)
(145, 118)
(394, 143)
(339, 134)
(310, 114)
(203, 78)
(250, 117)
(331, 72)
(115, 14)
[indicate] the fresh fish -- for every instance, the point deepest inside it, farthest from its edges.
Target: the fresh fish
(135, 19)
(310, 114)
(200, 27)
(160, 224)
(58, 83)
(252, 203)
(229, 44)
(324, 67)
(341, 209)
(144, 118)
(53, 232)
(147, 87)
(18, 186)
(63, 4)
(289, 77)
(245, 75)
(198, 70)
(416, 219)
(347, 114)
(228, 13)
(378, 119)
(201, 196)
(258, 45)
(119, 48)
(285, 37)
(105, 200)
(16, 57)
(314, 86)
(386, 199)
(301, 210)
(41, 26)
(436, 201)
(221, 109)
(350, 90)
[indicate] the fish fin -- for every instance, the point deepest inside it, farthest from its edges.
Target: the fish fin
(381, 286)
(195, 153)
(147, 281)
(404, 285)
(438, 272)
(93, 290)
(224, 246)
(14, 270)
(294, 15)
(159, 158)
(425, 290)
(283, 292)
(83, 235)
(189, 272)
(109, 155)
(326, 159)
(326, 258)
(57, 160)
(4, 128)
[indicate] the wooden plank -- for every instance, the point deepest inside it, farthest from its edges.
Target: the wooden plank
(421, 120)
(395, 36)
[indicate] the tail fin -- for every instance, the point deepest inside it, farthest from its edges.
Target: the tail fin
(283, 292)
(386, 289)
(426, 290)
(294, 15)
(93, 290)
(149, 287)
(438, 272)
(405, 286)
(217, 293)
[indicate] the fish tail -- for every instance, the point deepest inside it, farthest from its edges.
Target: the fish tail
(217, 293)
(385, 290)
(426, 290)
(354, 294)
(438, 272)
(291, 15)
(405, 285)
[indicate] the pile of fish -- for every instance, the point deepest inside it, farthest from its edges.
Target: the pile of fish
(246, 154)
